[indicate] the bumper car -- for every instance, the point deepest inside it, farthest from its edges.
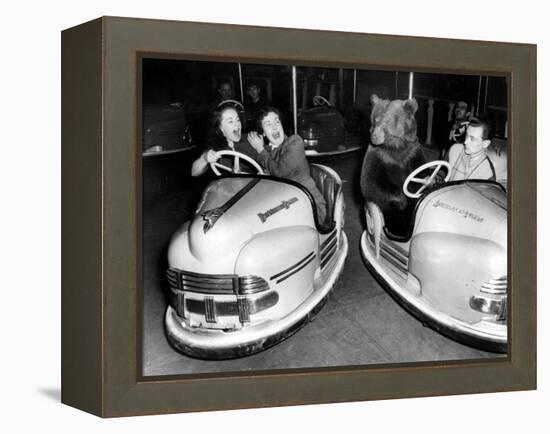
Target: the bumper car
(451, 270)
(254, 264)
(326, 132)
(165, 130)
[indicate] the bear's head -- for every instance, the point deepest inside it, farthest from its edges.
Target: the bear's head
(393, 122)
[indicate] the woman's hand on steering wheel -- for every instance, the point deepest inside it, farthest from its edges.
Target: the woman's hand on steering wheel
(211, 156)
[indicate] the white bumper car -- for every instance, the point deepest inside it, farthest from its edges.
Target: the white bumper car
(253, 265)
(451, 270)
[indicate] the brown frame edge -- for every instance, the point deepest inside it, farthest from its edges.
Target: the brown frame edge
(100, 239)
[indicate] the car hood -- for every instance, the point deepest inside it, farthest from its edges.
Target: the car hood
(231, 212)
(473, 209)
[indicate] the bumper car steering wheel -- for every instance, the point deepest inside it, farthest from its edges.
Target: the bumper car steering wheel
(231, 102)
(428, 180)
(236, 169)
(321, 101)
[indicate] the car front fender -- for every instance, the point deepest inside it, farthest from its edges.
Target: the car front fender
(287, 259)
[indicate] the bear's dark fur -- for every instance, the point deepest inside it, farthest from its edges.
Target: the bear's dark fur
(393, 154)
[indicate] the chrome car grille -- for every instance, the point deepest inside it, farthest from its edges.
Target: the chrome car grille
(495, 286)
(212, 309)
(215, 283)
(209, 285)
(393, 254)
(243, 308)
(328, 248)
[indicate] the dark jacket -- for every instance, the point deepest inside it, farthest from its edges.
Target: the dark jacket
(289, 161)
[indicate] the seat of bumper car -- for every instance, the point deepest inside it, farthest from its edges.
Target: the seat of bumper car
(498, 154)
(329, 188)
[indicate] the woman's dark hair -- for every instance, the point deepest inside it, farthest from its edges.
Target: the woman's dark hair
(215, 138)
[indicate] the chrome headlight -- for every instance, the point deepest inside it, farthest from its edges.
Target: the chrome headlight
(492, 299)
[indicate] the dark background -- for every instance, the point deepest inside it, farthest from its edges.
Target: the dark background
(194, 84)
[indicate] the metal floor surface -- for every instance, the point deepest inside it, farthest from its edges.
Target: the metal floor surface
(359, 325)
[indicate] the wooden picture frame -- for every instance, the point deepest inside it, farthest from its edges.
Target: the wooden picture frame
(101, 240)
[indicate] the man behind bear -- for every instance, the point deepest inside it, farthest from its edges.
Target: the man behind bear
(457, 131)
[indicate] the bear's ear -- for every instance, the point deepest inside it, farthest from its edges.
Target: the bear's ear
(374, 98)
(410, 106)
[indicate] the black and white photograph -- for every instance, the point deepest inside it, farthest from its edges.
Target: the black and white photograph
(311, 216)
(285, 217)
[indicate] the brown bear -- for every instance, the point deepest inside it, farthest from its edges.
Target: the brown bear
(393, 154)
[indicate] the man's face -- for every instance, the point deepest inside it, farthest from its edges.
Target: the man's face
(273, 129)
(254, 93)
(474, 142)
(460, 112)
(226, 91)
(230, 125)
